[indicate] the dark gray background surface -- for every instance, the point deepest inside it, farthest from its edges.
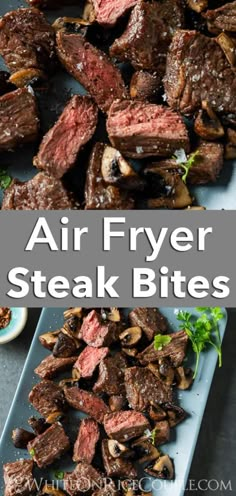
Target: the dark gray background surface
(215, 453)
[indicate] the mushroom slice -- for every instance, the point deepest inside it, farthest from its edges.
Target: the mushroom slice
(52, 490)
(131, 352)
(75, 374)
(71, 24)
(175, 414)
(54, 417)
(198, 5)
(228, 46)
(73, 312)
(145, 451)
(65, 346)
(27, 77)
(39, 425)
(113, 314)
(184, 378)
(207, 124)
(49, 339)
(230, 148)
(130, 337)
(117, 450)
(89, 12)
(167, 372)
(21, 438)
(157, 413)
(171, 192)
(117, 171)
(163, 468)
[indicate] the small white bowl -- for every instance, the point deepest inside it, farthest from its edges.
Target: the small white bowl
(17, 323)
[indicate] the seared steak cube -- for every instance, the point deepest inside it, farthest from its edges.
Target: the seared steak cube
(19, 121)
(116, 467)
(47, 398)
(51, 366)
(85, 445)
(125, 425)
(197, 70)
(141, 129)
(98, 194)
(175, 350)
(92, 68)
(207, 164)
(161, 432)
(27, 40)
(49, 446)
(143, 389)
(150, 320)
(222, 19)
(83, 479)
(60, 146)
(96, 332)
(111, 375)
(18, 478)
(86, 402)
(89, 359)
(107, 12)
(43, 192)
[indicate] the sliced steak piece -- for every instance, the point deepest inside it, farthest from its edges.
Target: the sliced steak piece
(125, 425)
(222, 19)
(141, 129)
(175, 350)
(111, 375)
(61, 145)
(143, 389)
(149, 32)
(49, 446)
(197, 70)
(47, 398)
(51, 366)
(27, 40)
(207, 164)
(89, 359)
(84, 479)
(43, 192)
(19, 121)
(85, 445)
(18, 478)
(116, 467)
(150, 320)
(86, 402)
(97, 332)
(100, 195)
(107, 12)
(92, 68)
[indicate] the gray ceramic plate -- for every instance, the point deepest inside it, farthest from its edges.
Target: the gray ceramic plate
(184, 436)
(214, 197)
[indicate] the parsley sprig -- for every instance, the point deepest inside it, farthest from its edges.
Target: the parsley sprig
(186, 163)
(203, 330)
(5, 179)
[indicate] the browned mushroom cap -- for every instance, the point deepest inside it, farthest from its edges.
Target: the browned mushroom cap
(198, 5)
(167, 372)
(73, 312)
(71, 24)
(89, 12)
(39, 425)
(117, 171)
(26, 77)
(52, 490)
(207, 124)
(157, 413)
(21, 438)
(171, 190)
(49, 339)
(175, 414)
(117, 450)
(130, 337)
(112, 314)
(65, 346)
(71, 381)
(184, 377)
(145, 86)
(144, 450)
(228, 46)
(230, 147)
(163, 468)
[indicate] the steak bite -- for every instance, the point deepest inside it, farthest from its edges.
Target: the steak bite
(107, 12)
(60, 146)
(48, 398)
(83, 479)
(86, 402)
(49, 446)
(125, 425)
(207, 164)
(143, 389)
(43, 192)
(175, 350)
(111, 376)
(19, 121)
(85, 445)
(18, 478)
(92, 68)
(222, 19)
(96, 332)
(197, 70)
(51, 366)
(89, 359)
(141, 129)
(116, 467)
(150, 320)
(27, 41)
(99, 194)
(148, 35)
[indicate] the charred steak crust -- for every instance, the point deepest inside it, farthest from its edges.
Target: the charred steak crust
(143, 389)
(92, 68)
(51, 366)
(61, 145)
(49, 446)
(86, 402)
(222, 19)
(83, 479)
(175, 350)
(150, 320)
(18, 478)
(85, 445)
(141, 129)
(125, 425)
(47, 398)
(111, 376)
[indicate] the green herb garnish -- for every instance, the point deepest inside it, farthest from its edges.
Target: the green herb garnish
(32, 452)
(160, 341)
(59, 475)
(5, 179)
(186, 164)
(203, 330)
(153, 435)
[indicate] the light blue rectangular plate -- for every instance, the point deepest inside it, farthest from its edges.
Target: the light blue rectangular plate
(184, 436)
